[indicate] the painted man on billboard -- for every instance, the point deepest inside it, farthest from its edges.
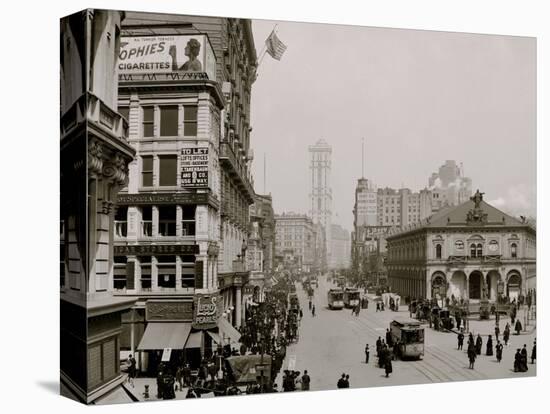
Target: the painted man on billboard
(192, 52)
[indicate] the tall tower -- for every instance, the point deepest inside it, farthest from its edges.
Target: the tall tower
(320, 196)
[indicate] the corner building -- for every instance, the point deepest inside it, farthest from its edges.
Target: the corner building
(94, 156)
(182, 224)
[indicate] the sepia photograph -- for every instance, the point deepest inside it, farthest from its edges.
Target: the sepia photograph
(255, 206)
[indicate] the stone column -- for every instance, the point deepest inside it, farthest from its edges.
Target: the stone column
(238, 306)
(178, 273)
(154, 275)
(179, 217)
(155, 219)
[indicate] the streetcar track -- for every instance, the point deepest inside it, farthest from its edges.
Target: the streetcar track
(456, 363)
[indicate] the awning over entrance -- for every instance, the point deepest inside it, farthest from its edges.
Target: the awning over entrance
(227, 332)
(215, 337)
(194, 340)
(160, 335)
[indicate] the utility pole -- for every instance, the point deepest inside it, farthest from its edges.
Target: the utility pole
(362, 157)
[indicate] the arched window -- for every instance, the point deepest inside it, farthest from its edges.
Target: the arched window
(479, 250)
(514, 250)
(472, 250)
(438, 251)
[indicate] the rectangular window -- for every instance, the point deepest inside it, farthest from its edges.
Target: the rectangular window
(166, 272)
(146, 221)
(119, 272)
(168, 165)
(62, 265)
(120, 222)
(145, 272)
(187, 271)
(147, 171)
(167, 221)
(188, 220)
(190, 120)
(124, 111)
(148, 121)
(168, 121)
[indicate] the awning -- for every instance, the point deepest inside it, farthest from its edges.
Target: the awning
(247, 368)
(215, 337)
(227, 332)
(194, 340)
(160, 335)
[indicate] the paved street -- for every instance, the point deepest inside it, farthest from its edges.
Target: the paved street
(333, 342)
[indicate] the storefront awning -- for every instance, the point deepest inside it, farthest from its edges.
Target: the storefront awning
(215, 337)
(227, 332)
(160, 335)
(194, 340)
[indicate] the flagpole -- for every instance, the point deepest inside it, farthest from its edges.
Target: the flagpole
(264, 51)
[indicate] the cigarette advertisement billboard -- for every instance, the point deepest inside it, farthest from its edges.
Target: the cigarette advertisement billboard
(172, 54)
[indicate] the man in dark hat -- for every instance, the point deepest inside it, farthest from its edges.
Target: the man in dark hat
(460, 340)
(342, 381)
(499, 348)
(388, 367)
(533, 352)
(346, 381)
(367, 353)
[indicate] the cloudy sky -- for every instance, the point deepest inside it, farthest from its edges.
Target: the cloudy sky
(417, 98)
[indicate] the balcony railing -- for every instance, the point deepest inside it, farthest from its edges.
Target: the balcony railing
(487, 259)
(146, 229)
(188, 227)
(237, 167)
(121, 228)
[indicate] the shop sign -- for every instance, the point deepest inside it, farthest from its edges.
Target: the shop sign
(169, 311)
(194, 167)
(167, 198)
(154, 249)
(206, 311)
(165, 57)
(166, 354)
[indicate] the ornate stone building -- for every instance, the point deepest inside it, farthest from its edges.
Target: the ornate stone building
(94, 158)
(471, 251)
(183, 221)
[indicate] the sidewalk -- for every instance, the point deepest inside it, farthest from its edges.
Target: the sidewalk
(138, 390)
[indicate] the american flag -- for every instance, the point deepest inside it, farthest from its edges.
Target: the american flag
(274, 46)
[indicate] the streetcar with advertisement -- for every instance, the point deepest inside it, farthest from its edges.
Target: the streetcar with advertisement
(352, 297)
(335, 298)
(409, 335)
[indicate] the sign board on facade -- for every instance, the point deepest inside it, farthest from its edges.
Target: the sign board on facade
(173, 57)
(166, 198)
(166, 354)
(206, 311)
(169, 311)
(194, 167)
(154, 249)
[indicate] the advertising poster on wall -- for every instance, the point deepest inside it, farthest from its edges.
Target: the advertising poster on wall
(194, 167)
(178, 56)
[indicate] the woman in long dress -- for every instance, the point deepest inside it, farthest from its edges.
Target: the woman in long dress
(489, 350)
(479, 344)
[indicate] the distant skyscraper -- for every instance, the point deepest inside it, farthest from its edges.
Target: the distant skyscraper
(320, 196)
(450, 182)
